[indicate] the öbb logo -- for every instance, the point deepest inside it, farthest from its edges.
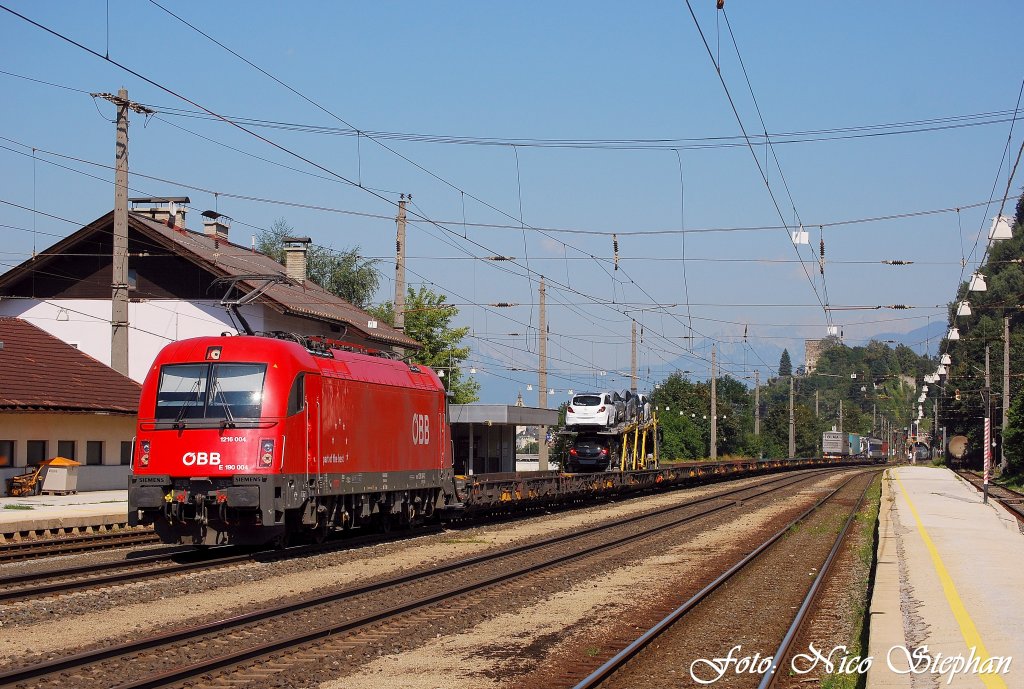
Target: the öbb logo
(420, 429)
(200, 459)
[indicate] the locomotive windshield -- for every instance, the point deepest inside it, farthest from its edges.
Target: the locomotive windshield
(210, 392)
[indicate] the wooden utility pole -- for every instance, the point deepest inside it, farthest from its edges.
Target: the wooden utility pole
(632, 370)
(816, 415)
(542, 372)
(1003, 464)
(840, 416)
(400, 265)
(714, 407)
(119, 282)
(792, 422)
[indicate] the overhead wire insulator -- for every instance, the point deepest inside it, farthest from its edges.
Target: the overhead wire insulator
(615, 250)
(897, 262)
(500, 258)
(504, 304)
(899, 306)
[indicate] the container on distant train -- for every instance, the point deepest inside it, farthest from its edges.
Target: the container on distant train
(835, 444)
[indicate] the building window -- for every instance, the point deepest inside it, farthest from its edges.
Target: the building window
(6, 453)
(36, 452)
(94, 452)
(126, 452)
(133, 279)
(66, 449)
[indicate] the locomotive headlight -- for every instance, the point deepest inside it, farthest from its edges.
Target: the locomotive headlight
(266, 453)
(144, 457)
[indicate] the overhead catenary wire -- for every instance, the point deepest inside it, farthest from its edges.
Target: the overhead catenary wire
(554, 230)
(250, 132)
(757, 161)
(527, 270)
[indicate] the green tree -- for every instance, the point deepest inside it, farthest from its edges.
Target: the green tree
(785, 364)
(428, 321)
(1013, 436)
(1004, 275)
(345, 273)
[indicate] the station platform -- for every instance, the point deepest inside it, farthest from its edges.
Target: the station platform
(38, 515)
(947, 607)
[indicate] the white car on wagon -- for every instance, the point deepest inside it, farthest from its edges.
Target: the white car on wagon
(591, 409)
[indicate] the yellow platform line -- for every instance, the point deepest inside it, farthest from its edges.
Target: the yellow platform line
(963, 618)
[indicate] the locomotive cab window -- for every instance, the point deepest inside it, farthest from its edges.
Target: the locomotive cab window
(210, 392)
(297, 395)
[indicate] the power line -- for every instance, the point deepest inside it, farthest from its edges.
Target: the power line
(757, 162)
(548, 229)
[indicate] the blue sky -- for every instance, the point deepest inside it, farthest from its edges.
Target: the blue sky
(569, 70)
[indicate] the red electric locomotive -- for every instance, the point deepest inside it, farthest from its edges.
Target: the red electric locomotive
(250, 439)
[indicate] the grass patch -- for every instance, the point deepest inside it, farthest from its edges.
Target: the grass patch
(1015, 482)
(867, 525)
(19, 507)
(593, 651)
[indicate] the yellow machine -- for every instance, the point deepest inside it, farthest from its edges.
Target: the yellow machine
(31, 482)
(25, 484)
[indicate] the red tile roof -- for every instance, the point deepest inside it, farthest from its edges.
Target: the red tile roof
(38, 372)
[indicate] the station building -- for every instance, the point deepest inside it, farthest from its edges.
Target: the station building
(173, 289)
(58, 401)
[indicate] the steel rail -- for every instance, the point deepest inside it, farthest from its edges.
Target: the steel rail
(63, 545)
(1011, 499)
(20, 675)
(608, 668)
(147, 567)
(769, 678)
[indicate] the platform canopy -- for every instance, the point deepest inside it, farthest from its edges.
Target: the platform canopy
(502, 414)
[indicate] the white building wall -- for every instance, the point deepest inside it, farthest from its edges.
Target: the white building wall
(154, 323)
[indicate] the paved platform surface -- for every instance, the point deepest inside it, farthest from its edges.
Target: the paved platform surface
(949, 578)
(44, 512)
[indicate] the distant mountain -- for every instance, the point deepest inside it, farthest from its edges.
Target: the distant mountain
(922, 340)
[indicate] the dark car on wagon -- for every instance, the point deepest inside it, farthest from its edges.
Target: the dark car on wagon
(589, 452)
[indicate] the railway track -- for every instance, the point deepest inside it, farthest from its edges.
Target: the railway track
(1007, 497)
(65, 545)
(68, 580)
(629, 657)
(235, 650)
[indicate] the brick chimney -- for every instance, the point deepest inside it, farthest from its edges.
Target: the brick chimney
(295, 257)
(166, 210)
(216, 225)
